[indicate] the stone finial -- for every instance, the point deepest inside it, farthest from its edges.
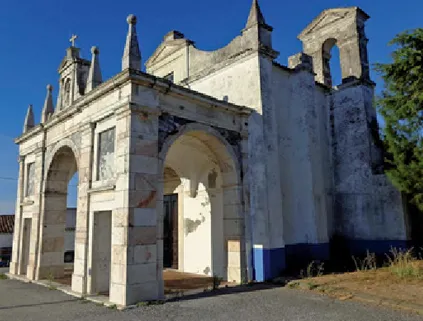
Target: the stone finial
(48, 108)
(131, 55)
(29, 120)
(94, 74)
(256, 16)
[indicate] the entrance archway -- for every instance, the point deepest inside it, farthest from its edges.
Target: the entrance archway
(201, 171)
(54, 245)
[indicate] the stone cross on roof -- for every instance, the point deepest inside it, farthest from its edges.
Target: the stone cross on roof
(72, 40)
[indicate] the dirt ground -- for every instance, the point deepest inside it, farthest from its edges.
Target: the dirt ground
(379, 284)
(173, 281)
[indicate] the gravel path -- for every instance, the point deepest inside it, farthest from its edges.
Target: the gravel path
(30, 302)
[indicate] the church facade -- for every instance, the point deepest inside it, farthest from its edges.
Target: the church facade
(223, 163)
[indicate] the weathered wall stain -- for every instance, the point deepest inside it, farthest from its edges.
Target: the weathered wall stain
(191, 226)
(147, 201)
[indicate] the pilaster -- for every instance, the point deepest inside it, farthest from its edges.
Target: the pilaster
(79, 277)
(17, 237)
(36, 216)
(136, 232)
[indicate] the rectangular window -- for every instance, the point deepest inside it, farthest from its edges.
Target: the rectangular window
(30, 177)
(106, 154)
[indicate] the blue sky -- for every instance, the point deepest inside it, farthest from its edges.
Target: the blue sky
(34, 36)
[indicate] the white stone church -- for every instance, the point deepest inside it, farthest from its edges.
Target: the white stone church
(218, 162)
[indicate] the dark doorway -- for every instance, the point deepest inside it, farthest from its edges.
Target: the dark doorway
(170, 231)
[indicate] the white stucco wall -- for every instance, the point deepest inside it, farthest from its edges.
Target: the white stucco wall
(201, 222)
(239, 82)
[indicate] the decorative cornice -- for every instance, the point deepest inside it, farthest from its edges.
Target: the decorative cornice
(139, 78)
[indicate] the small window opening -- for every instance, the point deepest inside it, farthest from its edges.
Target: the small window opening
(169, 77)
(332, 69)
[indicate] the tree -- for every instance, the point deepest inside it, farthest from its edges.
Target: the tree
(401, 105)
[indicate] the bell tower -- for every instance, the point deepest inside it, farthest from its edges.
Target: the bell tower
(342, 27)
(73, 73)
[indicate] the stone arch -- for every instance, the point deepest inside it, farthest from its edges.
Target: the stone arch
(196, 127)
(61, 165)
(225, 197)
(63, 144)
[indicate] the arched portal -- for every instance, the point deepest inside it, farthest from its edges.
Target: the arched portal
(200, 173)
(57, 236)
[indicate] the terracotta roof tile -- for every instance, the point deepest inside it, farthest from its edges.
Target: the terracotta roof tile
(6, 223)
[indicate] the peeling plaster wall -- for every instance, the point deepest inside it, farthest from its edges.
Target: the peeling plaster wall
(367, 206)
(197, 231)
(302, 140)
(202, 210)
(323, 110)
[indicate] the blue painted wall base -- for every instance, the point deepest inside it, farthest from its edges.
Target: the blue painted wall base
(268, 263)
(300, 255)
(271, 263)
(379, 247)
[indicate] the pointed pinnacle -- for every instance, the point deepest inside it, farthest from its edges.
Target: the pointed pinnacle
(256, 16)
(29, 120)
(48, 108)
(131, 55)
(94, 74)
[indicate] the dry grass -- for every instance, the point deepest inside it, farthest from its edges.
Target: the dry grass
(400, 279)
(404, 264)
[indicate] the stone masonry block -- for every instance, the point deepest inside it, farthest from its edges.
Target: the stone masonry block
(54, 244)
(144, 123)
(233, 227)
(234, 245)
(118, 293)
(232, 195)
(141, 273)
(121, 254)
(144, 254)
(144, 217)
(142, 235)
(234, 259)
(234, 274)
(144, 147)
(55, 217)
(121, 217)
(119, 235)
(144, 292)
(144, 181)
(144, 164)
(118, 273)
(142, 199)
(232, 211)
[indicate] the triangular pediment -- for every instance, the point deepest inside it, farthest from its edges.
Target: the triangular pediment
(329, 17)
(165, 49)
(65, 62)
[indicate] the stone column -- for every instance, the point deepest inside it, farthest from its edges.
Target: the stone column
(17, 238)
(36, 216)
(136, 273)
(79, 276)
